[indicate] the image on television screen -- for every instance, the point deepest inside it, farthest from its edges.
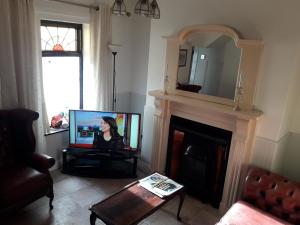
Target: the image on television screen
(104, 130)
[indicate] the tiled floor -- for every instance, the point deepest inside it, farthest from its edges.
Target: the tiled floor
(74, 195)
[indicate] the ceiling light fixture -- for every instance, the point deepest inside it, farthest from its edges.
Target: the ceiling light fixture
(142, 7)
(154, 10)
(119, 8)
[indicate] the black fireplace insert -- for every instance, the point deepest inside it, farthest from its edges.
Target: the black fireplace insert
(197, 157)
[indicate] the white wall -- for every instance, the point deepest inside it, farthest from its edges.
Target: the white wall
(212, 72)
(132, 60)
(294, 125)
(62, 12)
(273, 21)
(287, 160)
(121, 34)
(229, 70)
(201, 68)
(140, 35)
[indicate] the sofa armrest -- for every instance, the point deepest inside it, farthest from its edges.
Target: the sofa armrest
(41, 162)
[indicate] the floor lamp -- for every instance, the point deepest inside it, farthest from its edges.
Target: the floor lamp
(114, 50)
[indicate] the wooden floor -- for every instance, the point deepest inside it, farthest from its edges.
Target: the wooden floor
(74, 195)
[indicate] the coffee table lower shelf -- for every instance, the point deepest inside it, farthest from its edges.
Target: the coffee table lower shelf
(131, 205)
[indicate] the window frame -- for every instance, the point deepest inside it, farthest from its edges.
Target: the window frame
(79, 52)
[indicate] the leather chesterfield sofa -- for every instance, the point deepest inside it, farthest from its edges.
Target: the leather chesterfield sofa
(267, 199)
(24, 174)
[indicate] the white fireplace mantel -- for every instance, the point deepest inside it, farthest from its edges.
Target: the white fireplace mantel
(241, 123)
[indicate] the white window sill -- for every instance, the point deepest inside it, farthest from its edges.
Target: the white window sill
(56, 130)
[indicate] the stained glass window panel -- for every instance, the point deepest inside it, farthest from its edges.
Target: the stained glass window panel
(55, 38)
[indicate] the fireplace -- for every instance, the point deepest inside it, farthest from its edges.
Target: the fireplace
(197, 157)
(242, 124)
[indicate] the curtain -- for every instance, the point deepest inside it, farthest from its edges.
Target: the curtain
(101, 56)
(21, 83)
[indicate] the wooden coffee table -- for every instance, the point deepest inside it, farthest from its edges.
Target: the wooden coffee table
(131, 205)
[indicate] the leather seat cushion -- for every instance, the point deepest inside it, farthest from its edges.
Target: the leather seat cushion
(242, 213)
(21, 183)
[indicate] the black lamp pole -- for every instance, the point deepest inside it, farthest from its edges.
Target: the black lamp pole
(114, 83)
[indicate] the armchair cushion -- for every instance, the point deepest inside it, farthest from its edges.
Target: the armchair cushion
(41, 162)
(27, 184)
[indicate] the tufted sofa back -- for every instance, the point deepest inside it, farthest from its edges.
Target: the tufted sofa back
(273, 193)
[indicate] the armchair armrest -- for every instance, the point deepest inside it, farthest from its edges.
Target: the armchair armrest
(41, 162)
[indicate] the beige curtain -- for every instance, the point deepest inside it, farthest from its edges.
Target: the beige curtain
(21, 83)
(101, 56)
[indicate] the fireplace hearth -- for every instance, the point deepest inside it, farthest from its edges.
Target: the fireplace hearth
(197, 156)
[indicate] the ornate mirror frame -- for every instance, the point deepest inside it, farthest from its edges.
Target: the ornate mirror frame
(248, 67)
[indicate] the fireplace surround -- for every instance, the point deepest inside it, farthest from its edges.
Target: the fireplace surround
(242, 124)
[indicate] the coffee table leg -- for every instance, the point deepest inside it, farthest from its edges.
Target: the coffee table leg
(134, 166)
(182, 196)
(93, 218)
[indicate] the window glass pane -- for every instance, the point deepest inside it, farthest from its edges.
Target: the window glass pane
(58, 38)
(61, 84)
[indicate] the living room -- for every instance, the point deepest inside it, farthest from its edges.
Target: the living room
(141, 65)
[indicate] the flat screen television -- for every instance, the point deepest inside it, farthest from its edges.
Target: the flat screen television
(85, 126)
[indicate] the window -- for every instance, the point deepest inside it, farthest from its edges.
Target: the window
(62, 66)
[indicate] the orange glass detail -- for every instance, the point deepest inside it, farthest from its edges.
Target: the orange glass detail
(58, 47)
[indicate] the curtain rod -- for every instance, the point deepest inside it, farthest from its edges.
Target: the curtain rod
(77, 4)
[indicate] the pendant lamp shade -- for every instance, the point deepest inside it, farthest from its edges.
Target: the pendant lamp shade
(119, 8)
(154, 10)
(142, 7)
(115, 47)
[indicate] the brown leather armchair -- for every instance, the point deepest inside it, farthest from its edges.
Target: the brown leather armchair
(24, 174)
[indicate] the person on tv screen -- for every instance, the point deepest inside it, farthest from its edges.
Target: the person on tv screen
(108, 139)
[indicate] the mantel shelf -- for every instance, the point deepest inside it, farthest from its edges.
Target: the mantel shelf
(216, 107)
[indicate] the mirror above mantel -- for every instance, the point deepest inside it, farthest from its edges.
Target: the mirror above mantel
(213, 63)
(208, 64)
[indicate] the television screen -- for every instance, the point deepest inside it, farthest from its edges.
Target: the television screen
(104, 130)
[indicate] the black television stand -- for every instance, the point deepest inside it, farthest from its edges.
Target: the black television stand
(94, 163)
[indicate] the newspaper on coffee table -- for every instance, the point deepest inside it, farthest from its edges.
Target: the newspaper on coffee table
(160, 185)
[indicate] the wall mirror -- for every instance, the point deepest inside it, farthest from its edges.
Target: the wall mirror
(208, 64)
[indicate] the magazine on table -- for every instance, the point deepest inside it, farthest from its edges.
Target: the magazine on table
(159, 185)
